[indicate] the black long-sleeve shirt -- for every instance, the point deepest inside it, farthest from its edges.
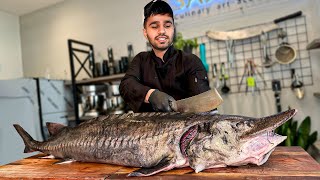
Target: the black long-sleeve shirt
(181, 75)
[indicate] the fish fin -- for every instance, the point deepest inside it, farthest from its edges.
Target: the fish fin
(212, 112)
(27, 139)
(199, 168)
(54, 128)
(28, 149)
(48, 157)
(164, 165)
(65, 161)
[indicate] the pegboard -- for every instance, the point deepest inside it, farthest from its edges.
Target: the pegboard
(252, 48)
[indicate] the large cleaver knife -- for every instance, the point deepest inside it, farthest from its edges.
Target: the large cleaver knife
(203, 102)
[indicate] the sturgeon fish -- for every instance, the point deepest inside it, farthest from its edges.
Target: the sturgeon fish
(158, 142)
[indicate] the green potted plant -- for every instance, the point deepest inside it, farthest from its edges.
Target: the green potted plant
(185, 44)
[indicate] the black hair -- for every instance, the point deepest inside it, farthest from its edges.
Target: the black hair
(156, 7)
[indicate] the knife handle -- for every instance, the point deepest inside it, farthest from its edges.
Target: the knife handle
(290, 16)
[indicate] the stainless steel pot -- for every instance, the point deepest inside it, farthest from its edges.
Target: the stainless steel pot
(114, 90)
(94, 89)
(93, 102)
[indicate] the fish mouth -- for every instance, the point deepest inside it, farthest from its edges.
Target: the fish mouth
(268, 124)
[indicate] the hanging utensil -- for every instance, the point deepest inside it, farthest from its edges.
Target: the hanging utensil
(285, 54)
(267, 60)
(251, 80)
(225, 89)
(203, 56)
(245, 71)
(256, 71)
(276, 87)
(230, 51)
(215, 76)
(250, 69)
(297, 85)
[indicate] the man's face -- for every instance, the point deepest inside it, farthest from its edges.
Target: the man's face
(159, 30)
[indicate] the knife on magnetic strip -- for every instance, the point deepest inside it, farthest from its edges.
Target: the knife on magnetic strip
(203, 102)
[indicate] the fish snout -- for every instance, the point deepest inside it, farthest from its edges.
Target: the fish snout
(267, 124)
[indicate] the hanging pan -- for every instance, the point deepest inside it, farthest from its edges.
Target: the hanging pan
(285, 53)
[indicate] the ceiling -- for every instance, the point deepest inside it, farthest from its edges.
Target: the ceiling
(21, 7)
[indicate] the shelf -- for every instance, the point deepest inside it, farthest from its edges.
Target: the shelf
(102, 79)
(315, 44)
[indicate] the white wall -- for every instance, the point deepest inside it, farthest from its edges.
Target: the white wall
(102, 23)
(10, 50)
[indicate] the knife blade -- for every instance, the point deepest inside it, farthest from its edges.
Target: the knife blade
(203, 102)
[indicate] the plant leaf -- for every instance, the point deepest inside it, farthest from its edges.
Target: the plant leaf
(288, 141)
(301, 142)
(304, 128)
(294, 132)
(284, 128)
(312, 138)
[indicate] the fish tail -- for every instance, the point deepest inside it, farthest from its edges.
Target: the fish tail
(27, 139)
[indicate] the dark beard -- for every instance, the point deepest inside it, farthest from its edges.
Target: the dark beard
(158, 48)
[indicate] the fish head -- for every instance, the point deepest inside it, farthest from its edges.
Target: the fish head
(231, 140)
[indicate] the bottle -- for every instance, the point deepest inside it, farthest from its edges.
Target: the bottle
(105, 67)
(111, 61)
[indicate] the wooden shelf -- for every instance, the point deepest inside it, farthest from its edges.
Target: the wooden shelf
(315, 44)
(102, 79)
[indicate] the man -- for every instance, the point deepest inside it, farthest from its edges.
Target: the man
(155, 79)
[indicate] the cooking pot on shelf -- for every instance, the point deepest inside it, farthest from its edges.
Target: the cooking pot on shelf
(94, 89)
(93, 100)
(92, 105)
(115, 105)
(101, 99)
(113, 90)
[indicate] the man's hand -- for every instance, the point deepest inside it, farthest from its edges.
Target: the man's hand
(161, 101)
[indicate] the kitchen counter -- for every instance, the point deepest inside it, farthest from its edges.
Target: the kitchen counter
(284, 163)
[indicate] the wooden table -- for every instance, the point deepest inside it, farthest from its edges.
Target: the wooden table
(284, 163)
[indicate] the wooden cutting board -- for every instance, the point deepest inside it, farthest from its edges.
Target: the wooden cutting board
(284, 163)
